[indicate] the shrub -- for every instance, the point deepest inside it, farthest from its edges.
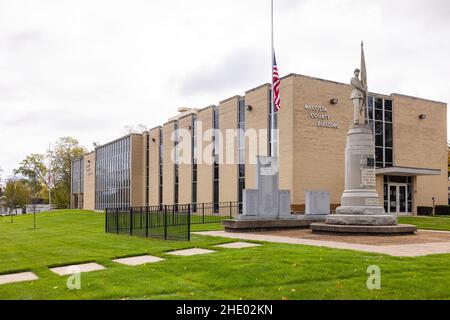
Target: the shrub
(425, 211)
(443, 210)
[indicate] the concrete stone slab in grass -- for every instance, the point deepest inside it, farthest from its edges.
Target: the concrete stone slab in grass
(238, 245)
(190, 252)
(137, 261)
(17, 277)
(79, 268)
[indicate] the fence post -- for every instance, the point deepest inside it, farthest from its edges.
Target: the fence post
(189, 223)
(203, 211)
(165, 222)
(146, 222)
(117, 220)
(131, 221)
(106, 220)
(231, 210)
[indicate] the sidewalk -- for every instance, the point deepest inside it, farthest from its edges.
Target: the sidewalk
(437, 243)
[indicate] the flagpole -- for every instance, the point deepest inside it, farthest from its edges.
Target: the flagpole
(272, 106)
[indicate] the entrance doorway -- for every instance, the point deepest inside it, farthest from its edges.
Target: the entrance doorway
(398, 195)
(398, 199)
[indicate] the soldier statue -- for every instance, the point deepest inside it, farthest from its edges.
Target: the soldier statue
(358, 97)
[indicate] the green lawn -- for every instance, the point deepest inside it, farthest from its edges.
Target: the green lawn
(272, 271)
(429, 223)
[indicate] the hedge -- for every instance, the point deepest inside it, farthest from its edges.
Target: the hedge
(443, 210)
(425, 211)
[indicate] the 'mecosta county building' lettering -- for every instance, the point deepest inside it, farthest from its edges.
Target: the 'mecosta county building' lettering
(319, 113)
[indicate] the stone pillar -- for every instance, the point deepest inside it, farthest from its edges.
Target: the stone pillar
(360, 201)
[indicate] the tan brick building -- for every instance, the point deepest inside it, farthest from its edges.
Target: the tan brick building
(410, 136)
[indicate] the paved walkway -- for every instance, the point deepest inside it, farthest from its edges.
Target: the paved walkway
(404, 248)
(17, 277)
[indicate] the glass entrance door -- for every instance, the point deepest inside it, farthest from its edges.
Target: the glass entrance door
(398, 199)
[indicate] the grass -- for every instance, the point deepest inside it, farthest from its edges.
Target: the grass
(271, 271)
(440, 223)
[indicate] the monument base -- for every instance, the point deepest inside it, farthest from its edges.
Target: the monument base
(259, 225)
(362, 220)
(394, 230)
(363, 210)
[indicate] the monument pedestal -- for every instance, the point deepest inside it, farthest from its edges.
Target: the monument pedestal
(268, 207)
(361, 211)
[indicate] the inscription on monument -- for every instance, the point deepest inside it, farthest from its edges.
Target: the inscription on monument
(359, 149)
(368, 178)
(372, 202)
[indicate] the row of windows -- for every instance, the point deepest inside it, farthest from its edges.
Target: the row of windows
(379, 114)
(112, 183)
(241, 148)
(194, 161)
(77, 183)
(147, 171)
(176, 166)
(216, 158)
(161, 160)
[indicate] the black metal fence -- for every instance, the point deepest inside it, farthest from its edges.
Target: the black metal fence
(167, 222)
(209, 213)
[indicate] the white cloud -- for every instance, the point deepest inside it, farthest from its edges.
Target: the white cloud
(87, 68)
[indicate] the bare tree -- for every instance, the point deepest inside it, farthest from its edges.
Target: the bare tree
(137, 128)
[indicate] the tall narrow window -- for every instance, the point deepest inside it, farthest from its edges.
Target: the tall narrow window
(176, 168)
(273, 132)
(112, 182)
(381, 121)
(194, 163)
(241, 152)
(161, 159)
(147, 170)
(216, 160)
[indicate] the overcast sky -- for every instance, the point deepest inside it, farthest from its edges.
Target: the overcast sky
(87, 68)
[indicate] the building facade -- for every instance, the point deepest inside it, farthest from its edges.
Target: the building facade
(222, 141)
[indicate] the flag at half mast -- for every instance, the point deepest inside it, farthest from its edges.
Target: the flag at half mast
(276, 86)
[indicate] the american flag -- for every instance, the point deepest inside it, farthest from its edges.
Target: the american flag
(276, 86)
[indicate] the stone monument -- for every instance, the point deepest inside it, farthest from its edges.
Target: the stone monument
(267, 201)
(361, 211)
(267, 207)
(317, 203)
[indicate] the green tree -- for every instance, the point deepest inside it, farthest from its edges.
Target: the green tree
(17, 194)
(35, 171)
(66, 150)
(56, 176)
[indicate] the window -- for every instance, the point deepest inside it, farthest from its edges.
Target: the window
(379, 112)
(176, 166)
(147, 171)
(241, 152)
(112, 183)
(161, 159)
(77, 183)
(194, 163)
(216, 160)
